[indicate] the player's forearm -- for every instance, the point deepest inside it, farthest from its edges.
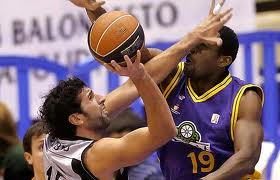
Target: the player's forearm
(163, 64)
(79, 3)
(159, 118)
(148, 53)
(92, 11)
(159, 67)
(236, 167)
(121, 98)
(126, 94)
(96, 14)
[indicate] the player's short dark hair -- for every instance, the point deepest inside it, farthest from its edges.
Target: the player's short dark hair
(36, 130)
(230, 43)
(125, 121)
(60, 103)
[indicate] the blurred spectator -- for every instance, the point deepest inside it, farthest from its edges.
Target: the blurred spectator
(12, 163)
(124, 123)
(33, 142)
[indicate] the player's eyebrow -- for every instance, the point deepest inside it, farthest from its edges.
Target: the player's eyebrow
(90, 94)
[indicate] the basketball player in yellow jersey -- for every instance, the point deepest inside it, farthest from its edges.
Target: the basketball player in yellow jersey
(197, 95)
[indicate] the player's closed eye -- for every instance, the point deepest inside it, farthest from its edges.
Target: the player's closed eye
(91, 95)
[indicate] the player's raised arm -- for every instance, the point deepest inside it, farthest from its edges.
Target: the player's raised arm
(112, 154)
(160, 66)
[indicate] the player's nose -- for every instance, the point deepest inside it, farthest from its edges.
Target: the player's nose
(99, 98)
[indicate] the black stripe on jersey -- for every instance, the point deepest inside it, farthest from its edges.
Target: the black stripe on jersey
(79, 169)
(82, 170)
(122, 175)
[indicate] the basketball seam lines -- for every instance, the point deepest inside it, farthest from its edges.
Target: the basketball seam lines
(108, 28)
(132, 43)
(122, 42)
(117, 46)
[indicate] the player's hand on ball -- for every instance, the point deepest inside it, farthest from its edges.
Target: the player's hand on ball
(134, 70)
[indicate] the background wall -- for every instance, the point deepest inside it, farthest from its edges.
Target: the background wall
(57, 30)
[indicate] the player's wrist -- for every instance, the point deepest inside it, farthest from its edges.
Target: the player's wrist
(192, 39)
(186, 44)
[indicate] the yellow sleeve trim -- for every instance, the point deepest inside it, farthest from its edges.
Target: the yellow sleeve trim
(255, 175)
(236, 103)
(174, 81)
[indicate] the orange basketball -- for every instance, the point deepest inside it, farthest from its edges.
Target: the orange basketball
(113, 35)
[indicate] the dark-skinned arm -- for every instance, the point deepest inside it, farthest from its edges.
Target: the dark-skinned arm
(248, 137)
(163, 64)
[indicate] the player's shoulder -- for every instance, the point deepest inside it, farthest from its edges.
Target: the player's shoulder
(69, 147)
(174, 76)
(100, 157)
(101, 146)
(248, 91)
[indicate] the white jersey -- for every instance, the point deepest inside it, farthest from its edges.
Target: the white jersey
(63, 159)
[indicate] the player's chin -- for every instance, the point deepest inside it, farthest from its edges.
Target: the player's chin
(104, 122)
(100, 123)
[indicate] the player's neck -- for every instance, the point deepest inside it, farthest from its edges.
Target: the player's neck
(202, 85)
(38, 176)
(89, 134)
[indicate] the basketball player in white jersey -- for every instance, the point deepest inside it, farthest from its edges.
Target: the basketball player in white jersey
(77, 117)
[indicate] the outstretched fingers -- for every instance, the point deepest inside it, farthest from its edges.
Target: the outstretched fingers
(128, 61)
(213, 2)
(116, 66)
(109, 67)
(138, 57)
(220, 16)
(219, 24)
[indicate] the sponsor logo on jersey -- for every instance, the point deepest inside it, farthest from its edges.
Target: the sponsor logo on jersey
(175, 109)
(188, 133)
(215, 118)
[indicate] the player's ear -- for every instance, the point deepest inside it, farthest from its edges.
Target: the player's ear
(75, 119)
(28, 158)
(224, 61)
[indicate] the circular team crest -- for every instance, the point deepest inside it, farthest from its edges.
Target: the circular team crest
(187, 132)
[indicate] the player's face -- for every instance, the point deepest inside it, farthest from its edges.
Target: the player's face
(36, 157)
(91, 109)
(202, 61)
(37, 153)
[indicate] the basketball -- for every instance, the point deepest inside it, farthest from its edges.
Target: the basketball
(113, 35)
